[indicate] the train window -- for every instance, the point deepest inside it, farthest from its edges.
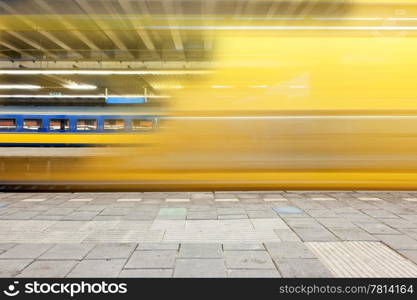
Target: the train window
(32, 124)
(86, 124)
(7, 124)
(114, 124)
(142, 124)
(58, 124)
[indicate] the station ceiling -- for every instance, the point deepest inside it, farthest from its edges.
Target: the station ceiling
(173, 38)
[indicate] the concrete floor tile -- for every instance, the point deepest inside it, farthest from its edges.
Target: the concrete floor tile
(248, 260)
(98, 268)
(156, 259)
(12, 267)
(200, 268)
(302, 268)
(26, 251)
(48, 268)
(205, 250)
(71, 251)
(111, 251)
(285, 250)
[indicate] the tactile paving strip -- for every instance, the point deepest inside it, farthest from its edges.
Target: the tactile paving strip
(362, 259)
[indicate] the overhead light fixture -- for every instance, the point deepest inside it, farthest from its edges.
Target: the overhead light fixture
(19, 87)
(76, 86)
(101, 72)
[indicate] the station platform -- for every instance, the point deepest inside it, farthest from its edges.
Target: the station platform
(209, 234)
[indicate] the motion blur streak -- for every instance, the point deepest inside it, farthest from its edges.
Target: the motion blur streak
(332, 110)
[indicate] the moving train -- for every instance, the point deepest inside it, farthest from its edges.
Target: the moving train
(74, 126)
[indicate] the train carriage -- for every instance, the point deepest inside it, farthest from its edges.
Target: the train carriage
(74, 126)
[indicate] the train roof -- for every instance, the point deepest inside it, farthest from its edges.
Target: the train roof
(79, 110)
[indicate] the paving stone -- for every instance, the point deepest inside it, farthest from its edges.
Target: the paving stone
(232, 217)
(397, 242)
(116, 211)
(315, 234)
(12, 267)
(377, 228)
(171, 217)
(75, 251)
(168, 224)
(275, 223)
(158, 246)
(410, 232)
(243, 247)
(21, 215)
(303, 223)
(146, 273)
(6, 246)
(287, 210)
(284, 250)
(156, 259)
(257, 214)
(336, 223)
(248, 260)
(379, 213)
(352, 234)
(230, 211)
(263, 273)
(98, 268)
(107, 218)
(172, 211)
(81, 215)
(322, 213)
(111, 251)
(140, 216)
(58, 211)
(200, 268)
(411, 217)
(26, 251)
(287, 235)
(200, 215)
(303, 268)
(48, 268)
(206, 250)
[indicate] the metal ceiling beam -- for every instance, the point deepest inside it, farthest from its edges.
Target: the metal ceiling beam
(143, 34)
(175, 33)
(45, 6)
(110, 34)
(46, 34)
(32, 43)
(13, 48)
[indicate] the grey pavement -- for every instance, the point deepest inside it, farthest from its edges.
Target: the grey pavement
(209, 234)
